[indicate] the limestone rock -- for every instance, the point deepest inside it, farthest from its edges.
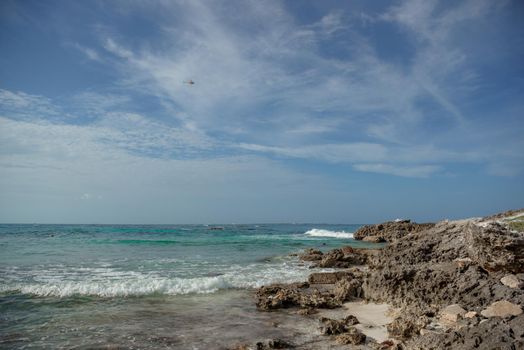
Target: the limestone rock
(351, 320)
(463, 263)
(337, 258)
(390, 231)
(406, 325)
(495, 247)
(274, 344)
(352, 336)
(374, 239)
(346, 289)
(470, 314)
(453, 313)
(328, 277)
(502, 308)
(512, 281)
(332, 327)
(311, 255)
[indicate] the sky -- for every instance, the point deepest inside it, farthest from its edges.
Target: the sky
(300, 111)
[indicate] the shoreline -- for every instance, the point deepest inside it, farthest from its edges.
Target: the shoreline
(449, 285)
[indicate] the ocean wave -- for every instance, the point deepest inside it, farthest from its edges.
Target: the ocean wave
(137, 284)
(326, 233)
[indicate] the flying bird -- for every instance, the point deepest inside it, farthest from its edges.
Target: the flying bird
(189, 82)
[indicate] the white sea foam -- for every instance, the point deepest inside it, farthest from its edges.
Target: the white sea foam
(134, 284)
(326, 233)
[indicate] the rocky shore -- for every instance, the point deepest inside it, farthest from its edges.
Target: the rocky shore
(449, 285)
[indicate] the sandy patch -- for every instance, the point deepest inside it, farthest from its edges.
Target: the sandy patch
(373, 317)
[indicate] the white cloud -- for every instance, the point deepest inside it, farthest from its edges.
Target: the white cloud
(399, 170)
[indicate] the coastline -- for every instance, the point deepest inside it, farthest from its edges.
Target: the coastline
(450, 285)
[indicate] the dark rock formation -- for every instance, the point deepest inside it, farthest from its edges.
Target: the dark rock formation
(332, 327)
(346, 289)
(451, 263)
(279, 296)
(495, 248)
(487, 335)
(329, 277)
(274, 344)
(352, 336)
(311, 255)
(390, 231)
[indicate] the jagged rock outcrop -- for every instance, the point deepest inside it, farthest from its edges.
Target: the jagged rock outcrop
(329, 277)
(352, 336)
(439, 266)
(464, 276)
(278, 296)
(487, 335)
(495, 247)
(461, 263)
(389, 231)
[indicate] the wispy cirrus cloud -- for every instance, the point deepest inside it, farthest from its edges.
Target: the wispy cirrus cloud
(275, 82)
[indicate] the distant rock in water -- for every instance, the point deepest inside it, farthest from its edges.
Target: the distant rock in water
(389, 231)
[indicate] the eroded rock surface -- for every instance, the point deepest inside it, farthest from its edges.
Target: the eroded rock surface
(389, 231)
(459, 262)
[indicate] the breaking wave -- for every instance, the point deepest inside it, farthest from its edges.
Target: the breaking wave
(138, 284)
(326, 233)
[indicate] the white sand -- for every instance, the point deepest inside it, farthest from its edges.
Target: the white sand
(373, 317)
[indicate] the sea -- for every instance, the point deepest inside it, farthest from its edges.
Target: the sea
(147, 286)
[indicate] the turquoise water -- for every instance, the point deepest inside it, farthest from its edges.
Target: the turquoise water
(64, 286)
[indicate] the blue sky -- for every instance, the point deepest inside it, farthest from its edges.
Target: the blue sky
(310, 111)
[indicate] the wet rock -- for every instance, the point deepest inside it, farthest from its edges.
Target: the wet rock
(311, 255)
(279, 296)
(390, 231)
(332, 327)
(351, 320)
(502, 309)
(346, 289)
(328, 277)
(388, 345)
(319, 299)
(512, 281)
(307, 311)
(352, 336)
(452, 313)
(347, 250)
(337, 258)
(274, 344)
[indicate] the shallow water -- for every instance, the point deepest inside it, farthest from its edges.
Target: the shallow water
(186, 287)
